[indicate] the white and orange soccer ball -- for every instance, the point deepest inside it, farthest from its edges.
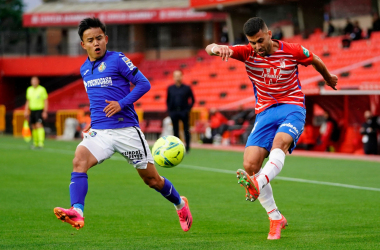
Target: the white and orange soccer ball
(168, 151)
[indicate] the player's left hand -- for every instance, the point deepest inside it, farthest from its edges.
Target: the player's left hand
(333, 81)
(112, 108)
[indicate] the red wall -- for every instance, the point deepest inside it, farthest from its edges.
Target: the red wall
(48, 65)
(12, 69)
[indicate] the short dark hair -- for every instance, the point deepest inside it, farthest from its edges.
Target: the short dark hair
(90, 22)
(254, 25)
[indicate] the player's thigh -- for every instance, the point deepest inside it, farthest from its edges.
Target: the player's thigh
(83, 159)
(253, 159)
(99, 144)
(130, 142)
(292, 125)
(283, 141)
(264, 130)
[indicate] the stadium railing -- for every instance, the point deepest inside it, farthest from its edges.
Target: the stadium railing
(62, 115)
(18, 122)
(2, 118)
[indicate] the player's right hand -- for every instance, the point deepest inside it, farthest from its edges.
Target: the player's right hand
(86, 129)
(223, 51)
(333, 81)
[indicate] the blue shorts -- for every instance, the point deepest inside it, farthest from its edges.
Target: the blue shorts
(287, 118)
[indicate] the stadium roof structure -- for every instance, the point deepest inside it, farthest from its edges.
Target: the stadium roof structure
(123, 12)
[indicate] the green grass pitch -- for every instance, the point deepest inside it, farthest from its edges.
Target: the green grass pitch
(123, 213)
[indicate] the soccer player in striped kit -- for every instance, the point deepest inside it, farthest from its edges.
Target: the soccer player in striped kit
(272, 67)
(114, 124)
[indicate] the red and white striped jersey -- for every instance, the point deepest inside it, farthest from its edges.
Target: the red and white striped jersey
(275, 77)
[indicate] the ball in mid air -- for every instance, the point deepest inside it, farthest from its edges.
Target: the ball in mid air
(168, 151)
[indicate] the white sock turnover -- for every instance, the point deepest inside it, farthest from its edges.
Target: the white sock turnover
(272, 168)
(180, 206)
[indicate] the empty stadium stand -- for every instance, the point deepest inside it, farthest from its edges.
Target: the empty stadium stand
(221, 84)
(217, 83)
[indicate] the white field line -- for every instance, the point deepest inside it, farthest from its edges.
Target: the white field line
(283, 178)
(224, 171)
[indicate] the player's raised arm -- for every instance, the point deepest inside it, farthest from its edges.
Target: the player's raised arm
(219, 50)
(330, 79)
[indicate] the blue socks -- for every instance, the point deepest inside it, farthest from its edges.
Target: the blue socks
(78, 189)
(169, 192)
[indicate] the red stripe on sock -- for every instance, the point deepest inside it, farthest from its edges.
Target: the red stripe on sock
(267, 178)
(272, 211)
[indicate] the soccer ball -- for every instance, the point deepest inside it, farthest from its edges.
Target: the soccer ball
(168, 151)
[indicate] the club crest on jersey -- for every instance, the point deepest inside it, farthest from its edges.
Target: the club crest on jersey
(102, 67)
(272, 76)
(305, 52)
(128, 62)
(282, 63)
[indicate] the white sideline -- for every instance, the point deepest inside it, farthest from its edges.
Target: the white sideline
(120, 158)
(285, 178)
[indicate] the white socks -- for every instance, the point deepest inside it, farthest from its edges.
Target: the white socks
(79, 211)
(272, 168)
(267, 201)
(180, 206)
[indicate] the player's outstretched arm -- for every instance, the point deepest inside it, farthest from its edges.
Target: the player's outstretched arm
(219, 50)
(330, 79)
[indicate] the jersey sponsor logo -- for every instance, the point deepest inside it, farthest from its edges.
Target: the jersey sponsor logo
(85, 72)
(102, 82)
(102, 67)
(133, 155)
(305, 52)
(272, 76)
(128, 62)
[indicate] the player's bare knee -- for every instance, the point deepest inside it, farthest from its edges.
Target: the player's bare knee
(79, 165)
(251, 166)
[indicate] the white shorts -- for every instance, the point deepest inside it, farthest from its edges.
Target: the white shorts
(129, 142)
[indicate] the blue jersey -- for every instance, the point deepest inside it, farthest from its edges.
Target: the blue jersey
(109, 78)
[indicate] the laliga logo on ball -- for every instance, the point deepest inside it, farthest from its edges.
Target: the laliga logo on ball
(168, 151)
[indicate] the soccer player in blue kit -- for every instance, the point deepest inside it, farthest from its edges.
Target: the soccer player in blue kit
(114, 124)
